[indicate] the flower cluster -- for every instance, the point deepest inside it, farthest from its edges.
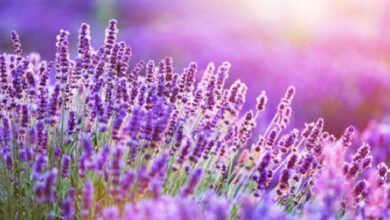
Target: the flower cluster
(108, 142)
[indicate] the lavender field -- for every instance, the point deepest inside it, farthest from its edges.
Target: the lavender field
(194, 110)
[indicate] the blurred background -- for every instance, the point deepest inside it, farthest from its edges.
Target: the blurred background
(337, 53)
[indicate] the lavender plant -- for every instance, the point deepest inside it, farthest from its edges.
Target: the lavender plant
(107, 142)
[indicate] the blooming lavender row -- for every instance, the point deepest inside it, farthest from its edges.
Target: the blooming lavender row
(108, 142)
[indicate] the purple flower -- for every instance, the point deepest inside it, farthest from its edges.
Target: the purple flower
(314, 134)
(87, 148)
(111, 212)
(54, 105)
(67, 206)
(39, 166)
(192, 183)
(184, 152)
(25, 116)
(117, 124)
(261, 101)
(360, 190)
(127, 181)
(16, 43)
(143, 179)
(111, 35)
(84, 160)
(57, 152)
(44, 189)
(71, 123)
(9, 163)
(103, 158)
(86, 205)
(84, 48)
(6, 132)
(66, 159)
(382, 170)
(283, 182)
(159, 166)
(26, 154)
(346, 138)
(62, 56)
(116, 166)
